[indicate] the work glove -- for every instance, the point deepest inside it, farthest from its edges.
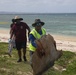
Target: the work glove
(39, 49)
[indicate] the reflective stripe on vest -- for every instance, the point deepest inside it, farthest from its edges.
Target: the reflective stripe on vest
(37, 36)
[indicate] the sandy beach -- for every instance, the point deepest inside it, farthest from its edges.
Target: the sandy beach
(4, 35)
(66, 43)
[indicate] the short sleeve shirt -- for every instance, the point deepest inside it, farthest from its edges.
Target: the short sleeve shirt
(20, 31)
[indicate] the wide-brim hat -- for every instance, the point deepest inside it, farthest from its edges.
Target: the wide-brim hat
(38, 22)
(17, 18)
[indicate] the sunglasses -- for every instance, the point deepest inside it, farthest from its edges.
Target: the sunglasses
(38, 24)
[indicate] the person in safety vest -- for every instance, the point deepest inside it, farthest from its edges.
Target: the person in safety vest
(35, 33)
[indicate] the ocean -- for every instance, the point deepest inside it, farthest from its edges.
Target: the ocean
(60, 23)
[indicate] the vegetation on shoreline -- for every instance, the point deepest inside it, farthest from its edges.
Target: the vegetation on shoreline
(66, 65)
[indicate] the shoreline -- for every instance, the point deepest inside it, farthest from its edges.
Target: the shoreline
(66, 43)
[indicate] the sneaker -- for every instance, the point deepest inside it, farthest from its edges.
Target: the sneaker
(9, 54)
(19, 60)
(24, 57)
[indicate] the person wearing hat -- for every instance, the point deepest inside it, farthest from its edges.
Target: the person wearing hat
(36, 33)
(19, 30)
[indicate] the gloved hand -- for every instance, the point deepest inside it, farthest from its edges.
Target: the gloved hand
(9, 40)
(39, 49)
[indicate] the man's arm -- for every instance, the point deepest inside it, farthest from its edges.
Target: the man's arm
(28, 28)
(12, 32)
(32, 40)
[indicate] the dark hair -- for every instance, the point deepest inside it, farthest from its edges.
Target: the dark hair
(13, 20)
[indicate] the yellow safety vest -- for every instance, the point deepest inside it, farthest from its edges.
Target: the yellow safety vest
(37, 36)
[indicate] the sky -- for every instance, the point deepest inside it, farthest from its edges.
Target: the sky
(38, 6)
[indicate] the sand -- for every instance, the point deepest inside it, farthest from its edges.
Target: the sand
(66, 43)
(4, 35)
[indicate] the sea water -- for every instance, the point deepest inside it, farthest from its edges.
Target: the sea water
(60, 23)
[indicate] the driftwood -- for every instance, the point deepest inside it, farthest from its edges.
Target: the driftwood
(48, 55)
